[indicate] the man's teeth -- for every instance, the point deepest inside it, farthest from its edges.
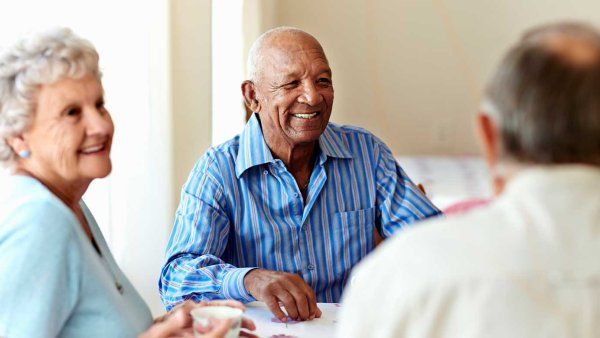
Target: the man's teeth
(306, 116)
(93, 149)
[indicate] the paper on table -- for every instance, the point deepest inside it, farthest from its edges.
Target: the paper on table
(268, 326)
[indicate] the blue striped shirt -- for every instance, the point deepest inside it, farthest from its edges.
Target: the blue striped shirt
(241, 209)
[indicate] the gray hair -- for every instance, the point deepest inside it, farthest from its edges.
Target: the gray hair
(42, 58)
(255, 55)
(546, 101)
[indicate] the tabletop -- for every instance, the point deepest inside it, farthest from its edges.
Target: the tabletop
(268, 326)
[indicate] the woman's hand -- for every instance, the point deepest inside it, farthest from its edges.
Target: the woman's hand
(178, 322)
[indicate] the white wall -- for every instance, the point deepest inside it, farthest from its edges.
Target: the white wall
(133, 205)
(228, 118)
(191, 86)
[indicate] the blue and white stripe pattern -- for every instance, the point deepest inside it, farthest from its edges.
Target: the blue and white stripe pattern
(241, 209)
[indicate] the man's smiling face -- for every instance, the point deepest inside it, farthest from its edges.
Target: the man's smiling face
(294, 89)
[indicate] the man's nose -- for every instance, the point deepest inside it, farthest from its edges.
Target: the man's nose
(311, 95)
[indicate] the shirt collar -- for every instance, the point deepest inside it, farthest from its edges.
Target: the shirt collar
(332, 145)
(253, 149)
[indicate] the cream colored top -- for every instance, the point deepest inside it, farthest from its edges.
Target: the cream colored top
(528, 265)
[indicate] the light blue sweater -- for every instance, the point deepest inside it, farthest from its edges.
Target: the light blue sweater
(53, 283)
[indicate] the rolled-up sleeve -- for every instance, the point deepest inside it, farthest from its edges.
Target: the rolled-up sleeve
(194, 267)
(400, 202)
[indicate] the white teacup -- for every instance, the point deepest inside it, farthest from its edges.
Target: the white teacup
(201, 316)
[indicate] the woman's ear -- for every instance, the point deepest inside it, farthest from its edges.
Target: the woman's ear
(18, 144)
(250, 99)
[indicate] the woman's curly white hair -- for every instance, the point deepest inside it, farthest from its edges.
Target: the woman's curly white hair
(42, 58)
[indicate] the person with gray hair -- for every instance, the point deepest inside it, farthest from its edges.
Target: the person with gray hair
(57, 275)
(526, 264)
(283, 211)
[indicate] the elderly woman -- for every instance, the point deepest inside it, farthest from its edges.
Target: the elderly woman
(57, 275)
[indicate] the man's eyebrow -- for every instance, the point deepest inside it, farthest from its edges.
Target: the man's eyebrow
(326, 71)
(287, 77)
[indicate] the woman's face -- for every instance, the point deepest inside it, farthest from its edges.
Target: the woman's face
(71, 134)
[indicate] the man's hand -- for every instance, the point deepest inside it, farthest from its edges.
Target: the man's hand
(273, 287)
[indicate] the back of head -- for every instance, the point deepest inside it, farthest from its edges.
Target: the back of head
(545, 96)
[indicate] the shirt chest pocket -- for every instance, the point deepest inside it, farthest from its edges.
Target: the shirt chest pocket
(354, 233)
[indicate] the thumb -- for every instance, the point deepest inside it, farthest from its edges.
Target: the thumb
(170, 326)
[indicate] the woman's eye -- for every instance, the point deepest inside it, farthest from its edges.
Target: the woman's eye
(73, 112)
(100, 106)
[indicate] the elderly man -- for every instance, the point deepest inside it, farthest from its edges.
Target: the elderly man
(527, 264)
(282, 212)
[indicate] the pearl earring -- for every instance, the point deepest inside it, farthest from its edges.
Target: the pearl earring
(24, 153)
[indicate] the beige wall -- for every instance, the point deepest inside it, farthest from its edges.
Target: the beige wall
(411, 71)
(191, 85)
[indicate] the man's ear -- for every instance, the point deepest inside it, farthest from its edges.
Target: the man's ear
(490, 141)
(250, 99)
(488, 137)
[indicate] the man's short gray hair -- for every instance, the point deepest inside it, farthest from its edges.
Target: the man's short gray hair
(546, 101)
(42, 58)
(255, 55)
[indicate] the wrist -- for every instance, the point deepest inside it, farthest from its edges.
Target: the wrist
(234, 287)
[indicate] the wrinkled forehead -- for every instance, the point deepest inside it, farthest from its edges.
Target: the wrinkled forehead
(293, 53)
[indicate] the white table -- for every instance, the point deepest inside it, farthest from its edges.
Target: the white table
(268, 326)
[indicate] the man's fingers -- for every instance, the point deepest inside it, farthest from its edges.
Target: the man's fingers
(288, 302)
(312, 301)
(319, 313)
(300, 298)
(273, 305)
(312, 309)
(311, 298)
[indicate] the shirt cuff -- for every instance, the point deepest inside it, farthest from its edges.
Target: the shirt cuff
(233, 285)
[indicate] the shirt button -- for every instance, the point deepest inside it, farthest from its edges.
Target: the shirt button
(266, 172)
(310, 267)
(296, 194)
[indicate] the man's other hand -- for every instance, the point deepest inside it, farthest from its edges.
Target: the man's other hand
(273, 288)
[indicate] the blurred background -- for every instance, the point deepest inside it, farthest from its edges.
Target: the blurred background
(410, 71)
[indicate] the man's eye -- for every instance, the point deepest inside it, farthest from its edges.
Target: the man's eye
(292, 84)
(324, 80)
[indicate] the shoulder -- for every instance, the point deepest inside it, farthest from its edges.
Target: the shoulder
(35, 217)
(358, 135)
(216, 162)
(414, 269)
(349, 132)
(357, 140)
(441, 250)
(218, 155)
